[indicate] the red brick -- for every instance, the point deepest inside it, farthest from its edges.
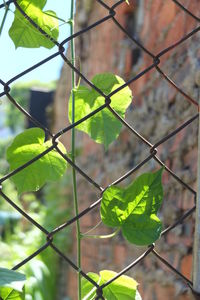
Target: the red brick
(187, 200)
(190, 160)
(176, 32)
(128, 63)
(164, 292)
(177, 141)
(156, 6)
(192, 7)
(186, 266)
(166, 176)
(72, 288)
(164, 24)
(120, 254)
(148, 293)
(166, 15)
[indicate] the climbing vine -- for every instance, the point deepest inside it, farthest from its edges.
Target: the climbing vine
(131, 210)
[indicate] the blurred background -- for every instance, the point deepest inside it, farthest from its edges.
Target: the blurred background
(157, 109)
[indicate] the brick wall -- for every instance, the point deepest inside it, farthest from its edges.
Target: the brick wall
(157, 109)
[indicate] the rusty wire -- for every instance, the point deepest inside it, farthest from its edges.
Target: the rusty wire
(156, 59)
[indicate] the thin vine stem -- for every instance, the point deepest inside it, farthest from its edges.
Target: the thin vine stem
(73, 147)
(4, 18)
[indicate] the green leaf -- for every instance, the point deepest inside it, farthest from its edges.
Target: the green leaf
(123, 288)
(11, 285)
(144, 195)
(24, 34)
(138, 205)
(11, 294)
(88, 290)
(25, 147)
(103, 127)
(142, 229)
(12, 279)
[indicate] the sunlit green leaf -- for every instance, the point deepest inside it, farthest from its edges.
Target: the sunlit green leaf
(24, 34)
(143, 196)
(11, 285)
(138, 205)
(88, 290)
(123, 288)
(103, 127)
(11, 294)
(25, 147)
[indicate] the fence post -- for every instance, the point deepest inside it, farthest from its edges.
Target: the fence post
(196, 251)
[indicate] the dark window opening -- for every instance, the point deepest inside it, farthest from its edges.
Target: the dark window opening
(40, 100)
(132, 29)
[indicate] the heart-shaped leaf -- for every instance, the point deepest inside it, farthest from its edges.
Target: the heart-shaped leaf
(25, 147)
(123, 288)
(11, 284)
(138, 205)
(103, 127)
(24, 34)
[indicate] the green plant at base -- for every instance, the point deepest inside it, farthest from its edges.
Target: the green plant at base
(11, 285)
(43, 272)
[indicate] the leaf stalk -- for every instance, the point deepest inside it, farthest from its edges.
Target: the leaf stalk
(107, 236)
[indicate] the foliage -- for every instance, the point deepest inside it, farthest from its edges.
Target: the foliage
(11, 285)
(14, 249)
(4, 143)
(134, 208)
(27, 146)
(123, 288)
(3, 146)
(24, 34)
(22, 239)
(103, 127)
(14, 118)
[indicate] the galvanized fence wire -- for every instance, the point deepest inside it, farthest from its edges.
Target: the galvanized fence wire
(110, 14)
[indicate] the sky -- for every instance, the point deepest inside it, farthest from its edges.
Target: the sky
(14, 61)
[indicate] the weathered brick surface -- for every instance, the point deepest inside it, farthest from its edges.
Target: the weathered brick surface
(157, 109)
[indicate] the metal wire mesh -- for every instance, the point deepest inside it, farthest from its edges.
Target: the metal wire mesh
(156, 59)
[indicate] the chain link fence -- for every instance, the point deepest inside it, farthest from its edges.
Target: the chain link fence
(156, 59)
